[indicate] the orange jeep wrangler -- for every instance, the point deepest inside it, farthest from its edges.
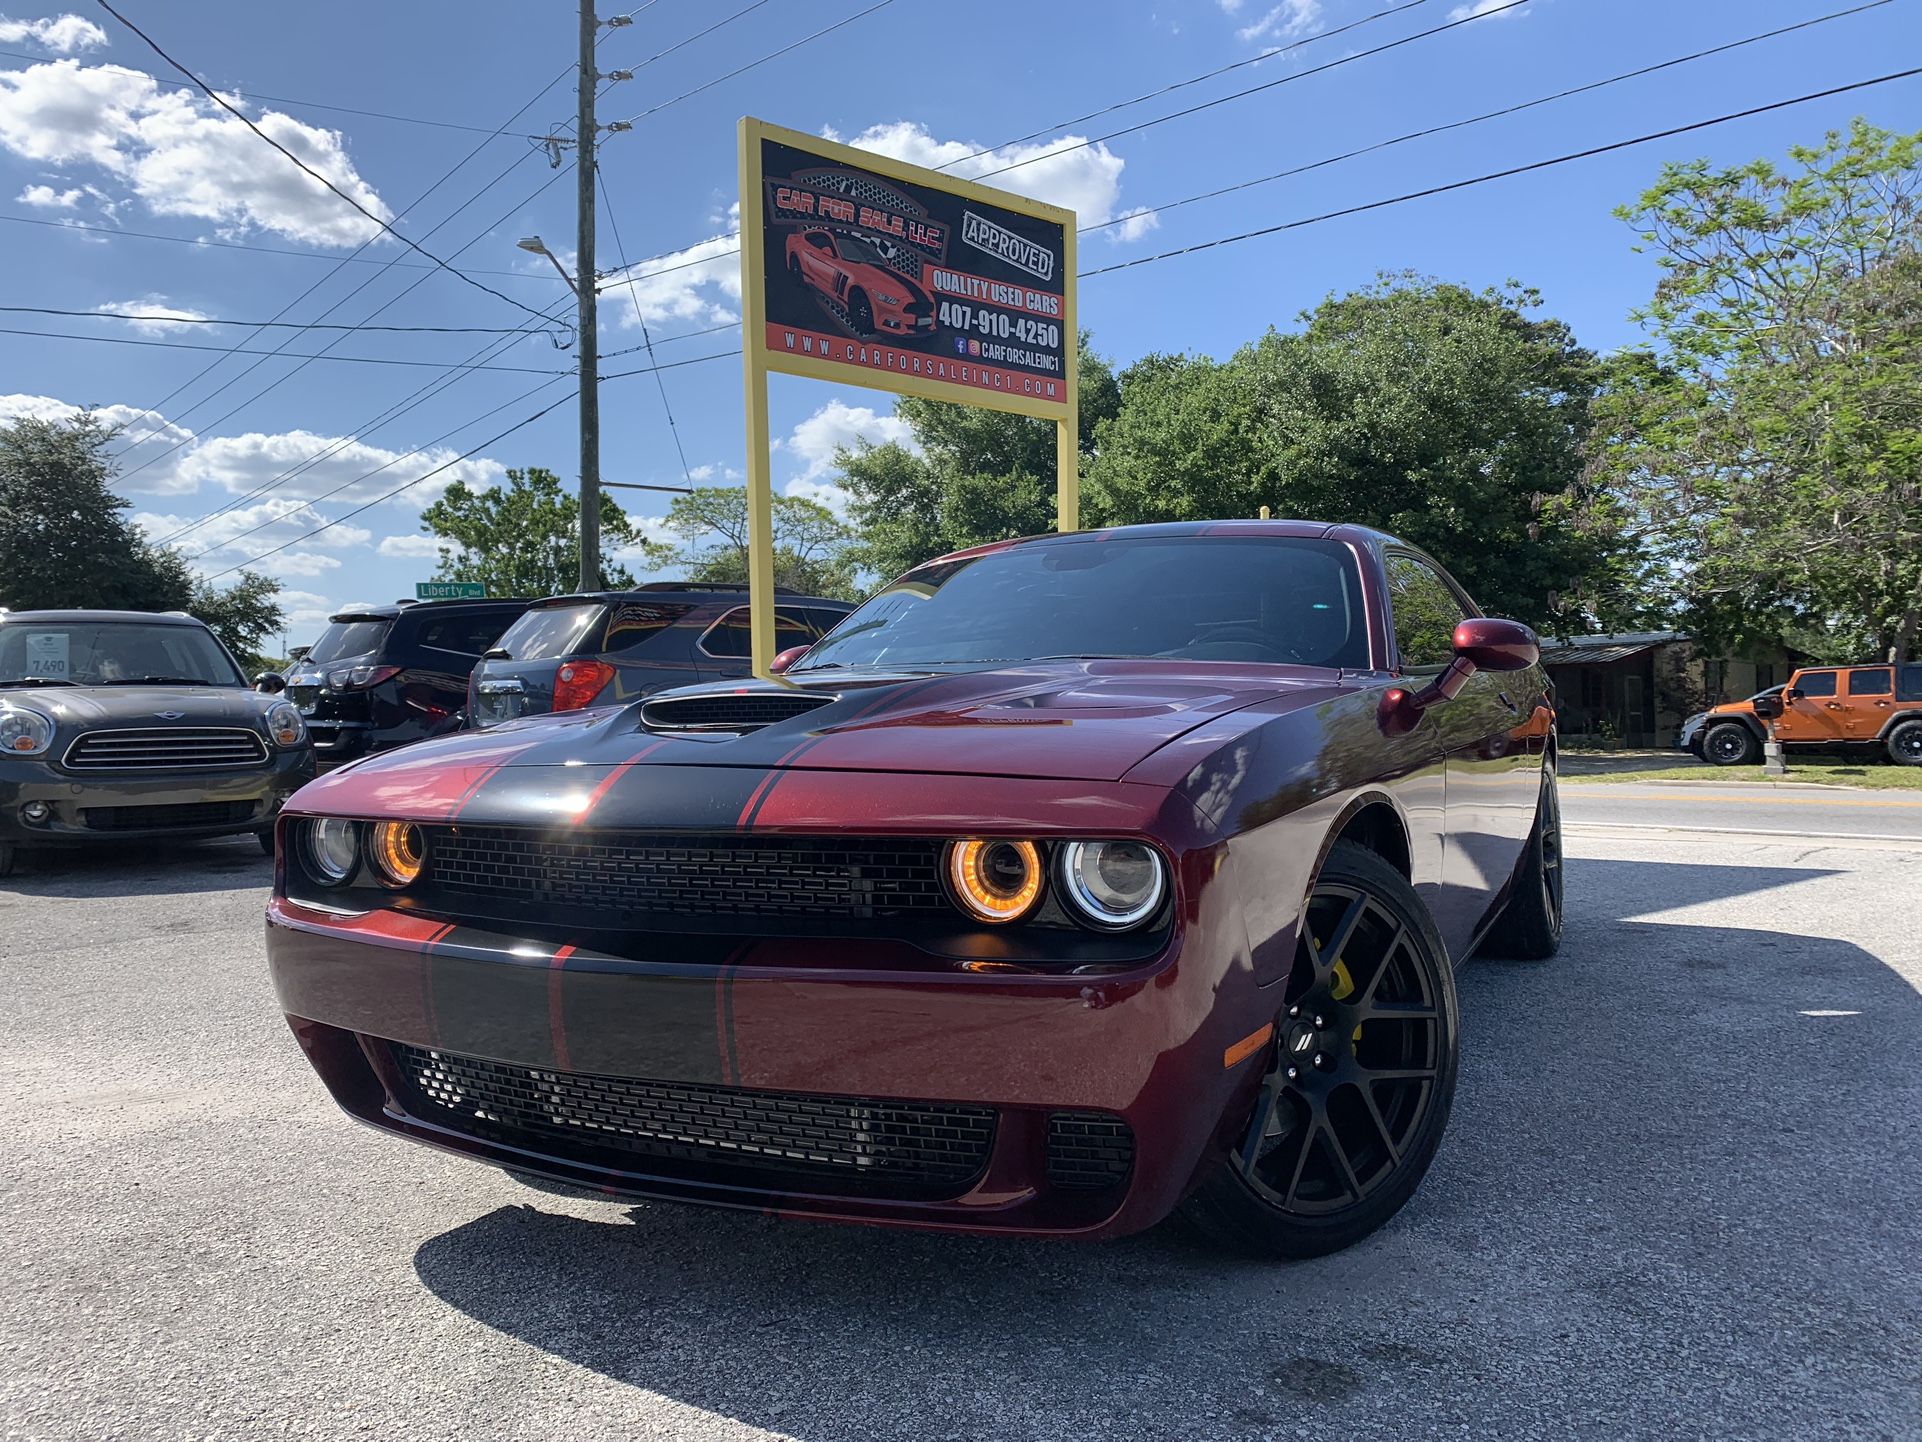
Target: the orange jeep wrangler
(1822, 708)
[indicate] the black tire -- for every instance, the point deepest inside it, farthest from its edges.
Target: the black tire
(794, 269)
(7, 854)
(1905, 743)
(1730, 744)
(266, 840)
(860, 313)
(1326, 1155)
(1530, 926)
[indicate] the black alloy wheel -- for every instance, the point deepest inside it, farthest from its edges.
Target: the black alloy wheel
(1730, 744)
(1530, 926)
(1905, 744)
(860, 314)
(1361, 1073)
(794, 269)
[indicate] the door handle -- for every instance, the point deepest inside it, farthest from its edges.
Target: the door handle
(1833, 705)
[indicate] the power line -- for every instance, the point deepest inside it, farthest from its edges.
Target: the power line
(743, 69)
(1191, 80)
(670, 365)
(647, 340)
(1488, 115)
(445, 466)
(1502, 174)
(1335, 64)
(276, 324)
(277, 99)
(288, 355)
(699, 34)
(396, 262)
(222, 102)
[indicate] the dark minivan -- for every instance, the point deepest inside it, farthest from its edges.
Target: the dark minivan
(606, 648)
(382, 676)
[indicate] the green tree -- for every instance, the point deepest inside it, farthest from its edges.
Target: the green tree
(524, 538)
(244, 615)
(811, 544)
(63, 538)
(1452, 418)
(1770, 435)
(975, 475)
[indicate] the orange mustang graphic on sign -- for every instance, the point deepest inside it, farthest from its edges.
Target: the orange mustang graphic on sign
(854, 280)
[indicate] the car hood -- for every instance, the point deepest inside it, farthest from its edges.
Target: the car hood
(1091, 721)
(141, 705)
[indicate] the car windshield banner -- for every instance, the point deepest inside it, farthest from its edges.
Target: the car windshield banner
(919, 287)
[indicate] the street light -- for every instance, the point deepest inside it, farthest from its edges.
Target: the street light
(536, 246)
(590, 401)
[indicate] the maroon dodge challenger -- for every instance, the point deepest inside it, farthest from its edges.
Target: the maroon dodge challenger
(1066, 882)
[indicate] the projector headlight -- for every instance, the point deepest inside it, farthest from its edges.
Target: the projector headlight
(333, 849)
(995, 881)
(1112, 885)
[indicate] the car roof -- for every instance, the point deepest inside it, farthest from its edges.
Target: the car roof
(391, 609)
(1170, 530)
(82, 614)
(684, 590)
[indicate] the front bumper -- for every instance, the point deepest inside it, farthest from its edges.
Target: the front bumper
(95, 807)
(1104, 1096)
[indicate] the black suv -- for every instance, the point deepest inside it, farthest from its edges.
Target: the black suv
(381, 676)
(605, 648)
(118, 725)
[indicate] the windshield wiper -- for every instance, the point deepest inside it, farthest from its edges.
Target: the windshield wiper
(37, 681)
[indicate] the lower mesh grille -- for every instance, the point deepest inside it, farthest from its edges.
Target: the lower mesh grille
(153, 818)
(777, 1140)
(1089, 1150)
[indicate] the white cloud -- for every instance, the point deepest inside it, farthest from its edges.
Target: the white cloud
(671, 287)
(307, 612)
(47, 198)
(1086, 179)
(838, 425)
(1484, 7)
(1286, 21)
(63, 34)
(182, 155)
(1135, 224)
(301, 563)
(826, 493)
(414, 546)
(143, 437)
(352, 472)
(251, 530)
(701, 474)
(157, 317)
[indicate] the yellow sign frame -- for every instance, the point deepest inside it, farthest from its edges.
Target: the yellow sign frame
(757, 360)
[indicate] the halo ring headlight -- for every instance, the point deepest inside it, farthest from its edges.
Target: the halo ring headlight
(1112, 885)
(398, 850)
(995, 880)
(333, 849)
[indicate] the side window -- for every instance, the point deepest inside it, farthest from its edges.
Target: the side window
(468, 635)
(730, 637)
(635, 623)
(1425, 611)
(819, 240)
(824, 621)
(1910, 686)
(1871, 681)
(1816, 683)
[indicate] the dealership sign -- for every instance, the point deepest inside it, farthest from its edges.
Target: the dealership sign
(909, 280)
(858, 268)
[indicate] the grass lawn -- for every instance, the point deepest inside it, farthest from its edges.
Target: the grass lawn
(1607, 766)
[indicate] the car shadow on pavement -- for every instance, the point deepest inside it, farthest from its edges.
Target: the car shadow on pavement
(135, 868)
(1676, 1197)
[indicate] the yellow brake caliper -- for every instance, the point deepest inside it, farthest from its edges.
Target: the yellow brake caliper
(1344, 988)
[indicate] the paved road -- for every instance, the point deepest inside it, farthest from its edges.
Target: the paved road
(1677, 1198)
(1790, 810)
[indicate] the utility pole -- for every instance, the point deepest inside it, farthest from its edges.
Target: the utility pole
(586, 132)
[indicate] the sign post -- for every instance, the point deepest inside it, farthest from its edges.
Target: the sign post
(862, 269)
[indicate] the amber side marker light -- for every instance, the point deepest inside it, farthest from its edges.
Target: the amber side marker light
(398, 852)
(1246, 1047)
(994, 880)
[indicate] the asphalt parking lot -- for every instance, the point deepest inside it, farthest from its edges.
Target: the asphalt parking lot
(1678, 1198)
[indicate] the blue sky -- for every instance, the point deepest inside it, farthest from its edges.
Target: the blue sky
(84, 143)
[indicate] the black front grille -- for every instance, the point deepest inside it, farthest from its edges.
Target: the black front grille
(773, 1140)
(305, 698)
(1089, 1151)
(166, 748)
(725, 712)
(154, 818)
(628, 878)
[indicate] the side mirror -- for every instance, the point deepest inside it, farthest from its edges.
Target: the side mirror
(779, 665)
(1482, 643)
(1768, 708)
(270, 683)
(1492, 645)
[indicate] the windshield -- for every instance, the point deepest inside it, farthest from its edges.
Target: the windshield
(349, 638)
(859, 248)
(1274, 599)
(110, 653)
(547, 632)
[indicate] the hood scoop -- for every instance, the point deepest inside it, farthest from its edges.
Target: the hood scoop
(729, 710)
